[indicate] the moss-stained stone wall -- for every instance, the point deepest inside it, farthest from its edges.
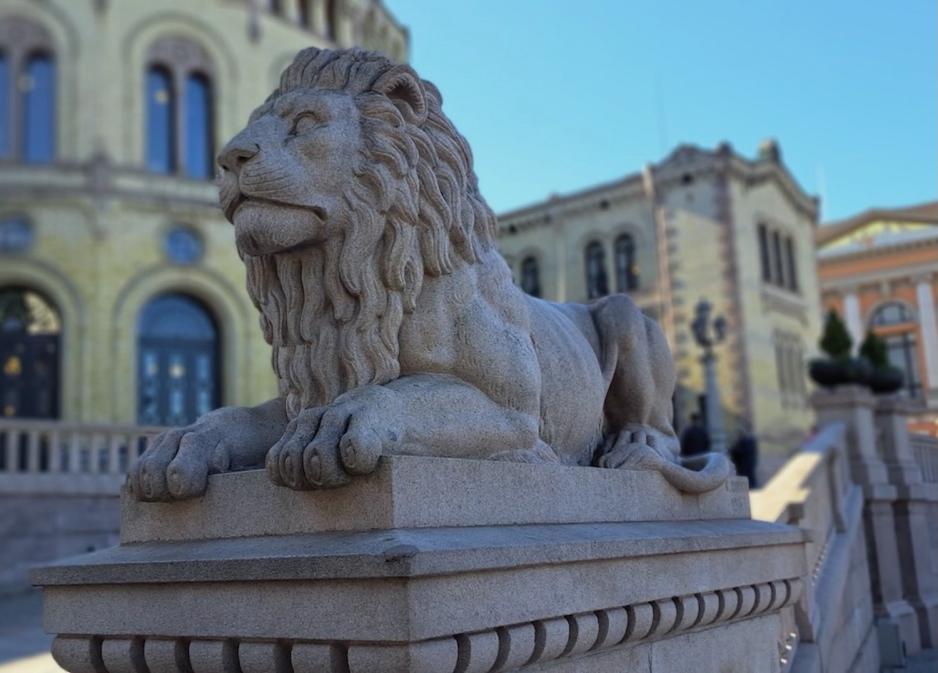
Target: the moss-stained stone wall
(99, 218)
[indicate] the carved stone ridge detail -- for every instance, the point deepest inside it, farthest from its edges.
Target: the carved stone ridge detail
(500, 649)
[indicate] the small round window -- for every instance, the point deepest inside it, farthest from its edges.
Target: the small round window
(16, 234)
(183, 246)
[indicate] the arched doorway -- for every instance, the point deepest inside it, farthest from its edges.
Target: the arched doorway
(178, 372)
(30, 332)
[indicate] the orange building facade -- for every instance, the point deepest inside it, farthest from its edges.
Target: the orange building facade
(879, 271)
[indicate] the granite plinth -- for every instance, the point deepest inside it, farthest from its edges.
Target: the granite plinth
(454, 582)
(411, 492)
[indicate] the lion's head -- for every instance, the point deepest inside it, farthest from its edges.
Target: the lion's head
(348, 185)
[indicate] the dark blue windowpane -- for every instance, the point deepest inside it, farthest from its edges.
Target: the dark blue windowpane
(160, 128)
(39, 109)
(4, 106)
(198, 127)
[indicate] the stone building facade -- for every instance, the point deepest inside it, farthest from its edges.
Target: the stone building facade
(700, 224)
(879, 271)
(121, 294)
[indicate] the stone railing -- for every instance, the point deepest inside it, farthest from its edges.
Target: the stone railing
(925, 448)
(831, 627)
(61, 458)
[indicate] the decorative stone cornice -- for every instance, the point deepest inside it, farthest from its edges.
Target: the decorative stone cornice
(504, 648)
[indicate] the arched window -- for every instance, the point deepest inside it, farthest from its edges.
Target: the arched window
(178, 361)
(530, 277)
(6, 148)
(161, 131)
(199, 150)
(597, 284)
(39, 108)
(27, 91)
(30, 328)
(626, 266)
(891, 313)
(180, 105)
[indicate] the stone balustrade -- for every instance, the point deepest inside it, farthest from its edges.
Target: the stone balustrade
(59, 483)
(865, 492)
(832, 627)
(62, 457)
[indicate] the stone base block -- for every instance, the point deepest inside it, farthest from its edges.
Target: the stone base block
(692, 584)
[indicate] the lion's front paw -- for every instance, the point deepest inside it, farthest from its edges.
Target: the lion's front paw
(635, 450)
(324, 446)
(177, 463)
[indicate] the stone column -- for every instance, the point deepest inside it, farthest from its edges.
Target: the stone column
(714, 404)
(853, 318)
(929, 323)
(910, 511)
(854, 406)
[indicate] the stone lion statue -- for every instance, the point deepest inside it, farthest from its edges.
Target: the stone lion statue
(394, 322)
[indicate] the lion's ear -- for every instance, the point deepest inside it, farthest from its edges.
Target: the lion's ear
(403, 86)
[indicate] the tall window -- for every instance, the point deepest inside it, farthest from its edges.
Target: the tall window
(332, 19)
(626, 267)
(39, 108)
(180, 109)
(530, 278)
(777, 266)
(161, 132)
(764, 253)
(303, 7)
(597, 284)
(777, 258)
(5, 145)
(178, 361)
(792, 264)
(902, 353)
(199, 150)
(29, 354)
(901, 346)
(27, 91)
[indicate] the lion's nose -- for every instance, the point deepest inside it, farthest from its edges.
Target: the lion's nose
(236, 154)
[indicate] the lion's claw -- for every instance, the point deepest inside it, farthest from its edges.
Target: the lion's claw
(325, 447)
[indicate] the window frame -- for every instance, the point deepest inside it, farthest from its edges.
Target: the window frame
(627, 278)
(599, 288)
(22, 39)
(183, 58)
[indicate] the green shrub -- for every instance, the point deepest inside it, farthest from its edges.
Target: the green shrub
(836, 341)
(874, 349)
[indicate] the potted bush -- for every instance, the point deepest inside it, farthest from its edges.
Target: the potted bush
(838, 368)
(885, 378)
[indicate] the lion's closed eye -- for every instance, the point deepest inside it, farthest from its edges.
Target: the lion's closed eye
(306, 122)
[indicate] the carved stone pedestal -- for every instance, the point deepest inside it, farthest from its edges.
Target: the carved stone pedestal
(433, 566)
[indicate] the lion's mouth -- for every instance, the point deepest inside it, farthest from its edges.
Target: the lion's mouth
(267, 227)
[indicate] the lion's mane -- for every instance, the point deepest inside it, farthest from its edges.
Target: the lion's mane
(333, 313)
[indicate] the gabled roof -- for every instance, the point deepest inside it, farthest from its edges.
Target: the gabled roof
(926, 213)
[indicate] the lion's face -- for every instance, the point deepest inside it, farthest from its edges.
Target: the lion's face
(285, 174)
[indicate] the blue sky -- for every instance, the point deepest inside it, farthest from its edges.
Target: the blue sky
(557, 95)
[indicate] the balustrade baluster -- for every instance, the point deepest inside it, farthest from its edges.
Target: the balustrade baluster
(74, 452)
(32, 451)
(114, 457)
(55, 451)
